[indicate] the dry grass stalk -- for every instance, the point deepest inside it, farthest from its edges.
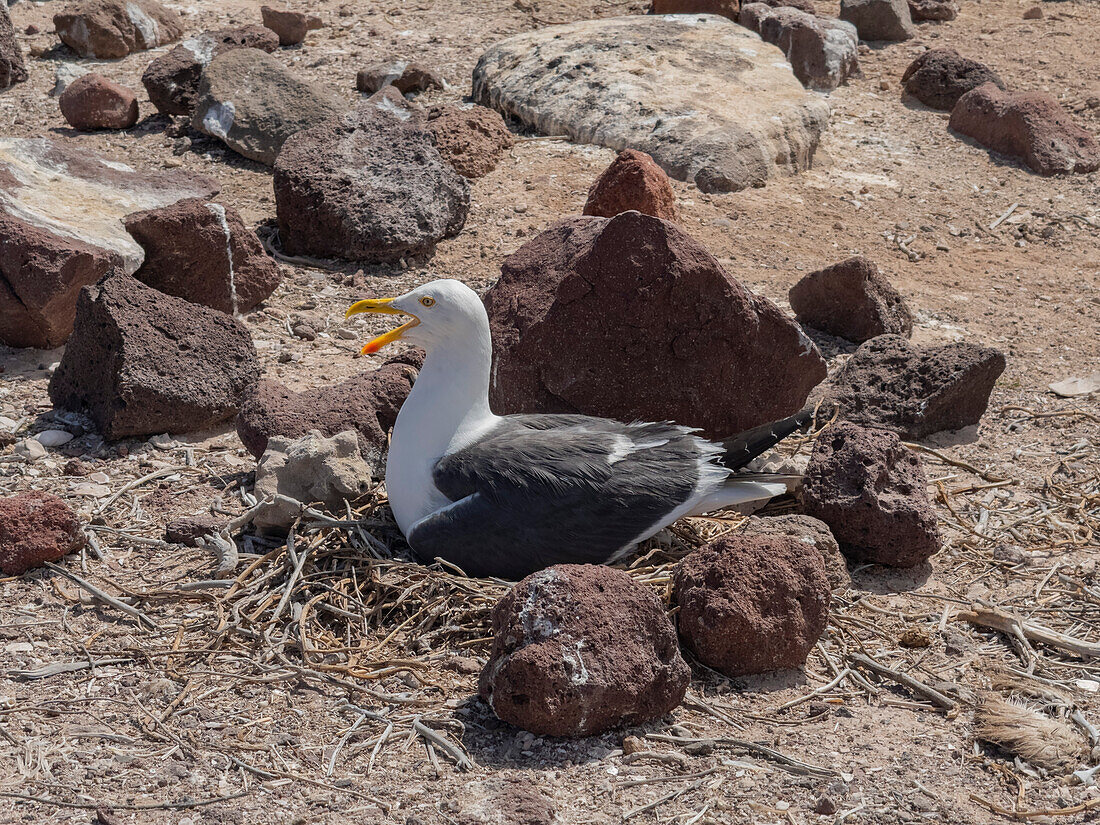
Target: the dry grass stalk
(1033, 736)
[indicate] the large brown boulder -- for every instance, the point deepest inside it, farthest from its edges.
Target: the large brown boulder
(811, 532)
(94, 102)
(633, 181)
(852, 300)
(822, 51)
(939, 77)
(140, 362)
(472, 139)
(108, 29)
(13, 69)
(913, 391)
(36, 528)
(290, 26)
(879, 19)
(751, 604)
(1031, 126)
(579, 649)
(631, 318)
(203, 252)
(871, 491)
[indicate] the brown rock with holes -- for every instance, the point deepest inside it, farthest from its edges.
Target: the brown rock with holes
(871, 491)
(751, 604)
(188, 530)
(939, 10)
(632, 181)
(939, 77)
(652, 302)
(108, 29)
(1031, 126)
(93, 102)
(913, 391)
(367, 403)
(811, 532)
(407, 77)
(202, 251)
(13, 69)
(725, 8)
(472, 139)
(579, 649)
(291, 26)
(851, 300)
(36, 528)
(140, 362)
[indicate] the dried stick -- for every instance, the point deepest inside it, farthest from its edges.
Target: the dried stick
(99, 594)
(998, 620)
(931, 694)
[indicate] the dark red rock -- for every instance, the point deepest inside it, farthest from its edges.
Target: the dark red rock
(36, 528)
(632, 181)
(140, 362)
(852, 300)
(291, 26)
(189, 529)
(203, 252)
(677, 337)
(472, 139)
(406, 77)
(871, 491)
(811, 532)
(1031, 126)
(751, 604)
(13, 69)
(94, 102)
(914, 392)
(579, 649)
(172, 80)
(725, 8)
(941, 10)
(939, 77)
(367, 403)
(108, 29)
(823, 52)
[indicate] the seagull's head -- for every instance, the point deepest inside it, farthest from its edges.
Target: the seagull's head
(444, 311)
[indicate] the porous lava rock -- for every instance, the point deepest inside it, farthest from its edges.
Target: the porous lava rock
(725, 8)
(852, 300)
(188, 530)
(579, 649)
(35, 528)
(940, 10)
(913, 391)
(368, 186)
(172, 80)
(751, 604)
(811, 532)
(368, 403)
(405, 76)
(823, 52)
(93, 102)
(472, 139)
(879, 19)
(633, 181)
(871, 491)
(677, 337)
(203, 252)
(109, 29)
(140, 362)
(290, 26)
(13, 69)
(1031, 126)
(939, 77)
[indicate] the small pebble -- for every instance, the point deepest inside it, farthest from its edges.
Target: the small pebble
(1034, 13)
(632, 744)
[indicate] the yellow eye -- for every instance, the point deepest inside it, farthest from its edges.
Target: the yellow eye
(427, 301)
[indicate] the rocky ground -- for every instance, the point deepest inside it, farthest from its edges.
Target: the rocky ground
(173, 719)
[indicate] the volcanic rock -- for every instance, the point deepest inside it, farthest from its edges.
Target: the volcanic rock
(253, 103)
(472, 139)
(291, 26)
(1031, 126)
(404, 76)
(912, 391)
(52, 243)
(367, 403)
(810, 531)
(802, 5)
(12, 67)
(879, 19)
(871, 491)
(751, 604)
(503, 800)
(920, 10)
(172, 80)
(189, 530)
(36, 528)
(632, 182)
(93, 102)
(939, 77)
(1034, 13)
(724, 8)
(108, 29)
(368, 186)
(823, 52)
(203, 252)
(724, 124)
(679, 339)
(851, 300)
(140, 362)
(579, 649)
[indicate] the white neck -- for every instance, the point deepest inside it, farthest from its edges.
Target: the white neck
(447, 409)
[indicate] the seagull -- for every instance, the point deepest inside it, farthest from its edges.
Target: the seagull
(507, 495)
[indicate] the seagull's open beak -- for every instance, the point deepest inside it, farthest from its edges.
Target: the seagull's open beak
(381, 306)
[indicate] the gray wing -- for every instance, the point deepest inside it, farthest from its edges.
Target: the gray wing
(549, 489)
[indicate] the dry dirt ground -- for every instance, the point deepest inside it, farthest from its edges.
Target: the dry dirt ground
(206, 706)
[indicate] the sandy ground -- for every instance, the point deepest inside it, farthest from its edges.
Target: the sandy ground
(170, 727)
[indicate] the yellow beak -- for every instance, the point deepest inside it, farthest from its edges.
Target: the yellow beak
(381, 306)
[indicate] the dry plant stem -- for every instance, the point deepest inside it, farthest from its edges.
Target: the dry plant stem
(954, 462)
(1089, 805)
(931, 694)
(127, 806)
(99, 594)
(998, 620)
(789, 762)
